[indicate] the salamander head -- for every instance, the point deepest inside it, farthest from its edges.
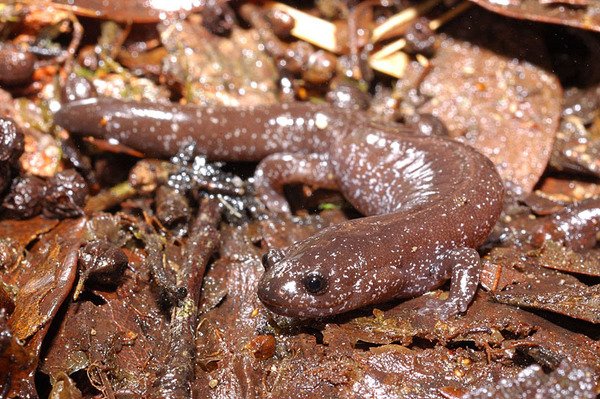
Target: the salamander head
(310, 281)
(291, 287)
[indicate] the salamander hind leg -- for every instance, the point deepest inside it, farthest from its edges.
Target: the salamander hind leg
(464, 265)
(277, 170)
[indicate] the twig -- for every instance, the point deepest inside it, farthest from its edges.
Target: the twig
(309, 28)
(396, 24)
(391, 61)
(389, 49)
(109, 198)
(449, 15)
(394, 64)
(203, 241)
(67, 54)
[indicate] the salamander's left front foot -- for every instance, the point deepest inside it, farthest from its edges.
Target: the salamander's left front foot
(465, 266)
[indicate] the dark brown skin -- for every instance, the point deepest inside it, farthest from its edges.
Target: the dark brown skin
(429, 201)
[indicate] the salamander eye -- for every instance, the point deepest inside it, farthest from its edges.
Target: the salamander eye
(271, 257)
(315, 283)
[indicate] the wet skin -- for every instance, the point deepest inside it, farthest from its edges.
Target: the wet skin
(428, 201)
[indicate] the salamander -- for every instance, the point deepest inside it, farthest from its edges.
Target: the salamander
(428, 201)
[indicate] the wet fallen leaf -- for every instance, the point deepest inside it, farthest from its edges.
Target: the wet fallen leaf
(64, 387)
(585, 15)
(53, 265)
(262, 346)
(507, 109)
(555, 256)
(565, 382)
(118, 336)
(121, 343)
(500, 268)
(576, 150)
(42, 288)
(522, 281)
(15, 235)
(212, 70)
(569, 190)
(485, 324)
(578, 302)
(15, 359)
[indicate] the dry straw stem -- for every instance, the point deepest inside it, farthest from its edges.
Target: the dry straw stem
(398, 23)
(393, 64)
(389, 59)
(435, 24)
(309, 28)
(449, 15)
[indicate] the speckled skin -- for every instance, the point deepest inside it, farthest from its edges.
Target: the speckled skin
(225, 134)
(428, 201)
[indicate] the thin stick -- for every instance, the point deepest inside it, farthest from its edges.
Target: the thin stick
(204, 239)
(394, 64)
(385, 59)
(397, 23)
(311, 29)
(389, 59)
(389, 49)
(450, 14)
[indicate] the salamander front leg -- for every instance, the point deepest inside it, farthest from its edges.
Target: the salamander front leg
(464, 265)
(277, 170)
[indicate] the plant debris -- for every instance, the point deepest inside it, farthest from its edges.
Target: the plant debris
(498, 87)
(128, 276)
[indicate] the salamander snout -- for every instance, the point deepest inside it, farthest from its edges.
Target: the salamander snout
(293, 286)
(314, 282)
